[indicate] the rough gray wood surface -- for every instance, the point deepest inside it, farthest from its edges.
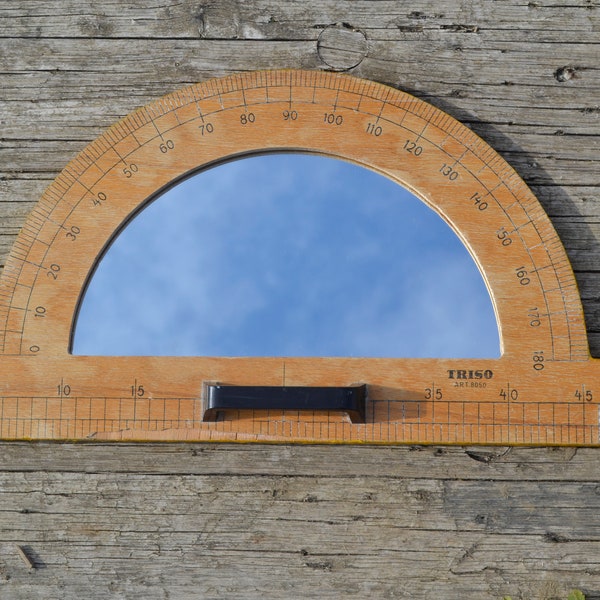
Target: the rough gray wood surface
(202, 521)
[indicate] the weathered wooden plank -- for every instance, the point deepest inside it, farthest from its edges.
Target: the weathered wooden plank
(292, 19)
(534, 70)
(510, 565)
(567, 513)
(582, 239)
(538, 70)
(180, 59)
(431, 462)
(567, 201)
(273, 534)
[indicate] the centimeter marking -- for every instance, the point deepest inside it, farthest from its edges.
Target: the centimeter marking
(132, 419)
(550, 380)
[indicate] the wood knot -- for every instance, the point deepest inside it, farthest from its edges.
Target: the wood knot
(341, 46)
(564, 74)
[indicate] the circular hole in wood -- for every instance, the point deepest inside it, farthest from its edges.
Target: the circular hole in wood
(342, 46)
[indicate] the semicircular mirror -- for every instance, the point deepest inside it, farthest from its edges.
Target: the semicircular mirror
(287, 255)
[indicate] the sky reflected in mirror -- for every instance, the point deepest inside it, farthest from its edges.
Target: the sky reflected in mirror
(287, 255)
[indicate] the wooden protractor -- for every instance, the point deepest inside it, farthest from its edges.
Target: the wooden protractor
(544, 389)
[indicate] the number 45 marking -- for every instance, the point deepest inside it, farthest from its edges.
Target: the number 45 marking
(584, 394)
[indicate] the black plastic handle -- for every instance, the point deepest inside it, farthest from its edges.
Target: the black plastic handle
(351, 400)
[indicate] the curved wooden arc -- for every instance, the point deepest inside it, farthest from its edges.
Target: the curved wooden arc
(413, 143)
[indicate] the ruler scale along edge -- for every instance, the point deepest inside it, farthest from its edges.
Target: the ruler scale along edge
(544, 389)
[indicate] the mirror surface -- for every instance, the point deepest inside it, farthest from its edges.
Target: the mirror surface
(287, 255)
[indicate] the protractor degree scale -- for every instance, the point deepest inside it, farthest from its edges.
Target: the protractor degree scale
(544, 389)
